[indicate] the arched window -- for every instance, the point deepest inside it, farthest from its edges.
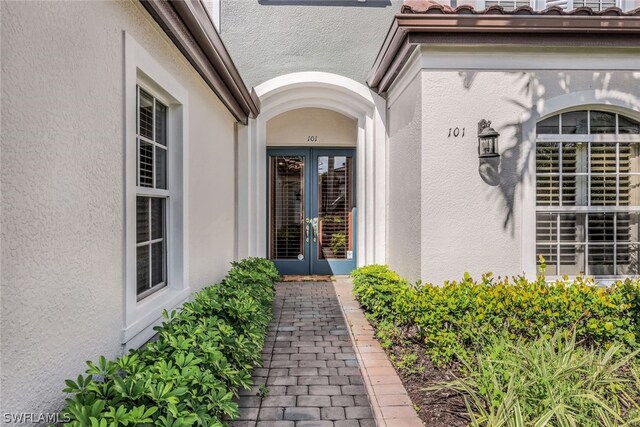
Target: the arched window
(588, 193)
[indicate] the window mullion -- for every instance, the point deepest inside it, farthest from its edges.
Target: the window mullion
(153, 151)
(615, 243)
(150, 238)
(585, 265)
(617, 174)
(138, 110)
(558, 249)
(588, 174)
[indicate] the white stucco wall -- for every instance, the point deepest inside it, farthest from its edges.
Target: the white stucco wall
(312, 127)
(468, 224)
(404, 168)
(475, 216)
(271, 38)
(62, 171)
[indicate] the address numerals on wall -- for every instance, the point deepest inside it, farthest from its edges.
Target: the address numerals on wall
(456, 133)
(312, 138)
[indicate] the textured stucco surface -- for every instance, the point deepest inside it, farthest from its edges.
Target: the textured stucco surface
(328, 127)
(404, 118)
(269, 38)
(472, 220)
(62, 171)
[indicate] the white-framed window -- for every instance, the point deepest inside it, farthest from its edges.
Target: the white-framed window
(152, 194)
(509, 4)
(596, 5)
(588, 193)
(156, 194)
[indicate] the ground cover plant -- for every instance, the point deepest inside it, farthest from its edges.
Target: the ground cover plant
(191, 373)
(510, 352)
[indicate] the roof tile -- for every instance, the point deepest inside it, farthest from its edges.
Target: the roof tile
(433, 7)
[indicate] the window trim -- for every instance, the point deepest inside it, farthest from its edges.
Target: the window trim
(530, 207)
(139, 317)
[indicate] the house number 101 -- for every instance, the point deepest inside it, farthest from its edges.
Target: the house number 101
(456, 132)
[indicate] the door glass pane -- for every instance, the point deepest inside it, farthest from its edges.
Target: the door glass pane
(335, 203)
(286, 204)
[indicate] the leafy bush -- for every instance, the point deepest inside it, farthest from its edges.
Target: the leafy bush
(549, 381)
(188, 376)
(454, 318)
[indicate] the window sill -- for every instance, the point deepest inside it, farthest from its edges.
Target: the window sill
(148, 313)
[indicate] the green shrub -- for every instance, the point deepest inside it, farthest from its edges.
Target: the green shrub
(549, 381)
(454, 318)
(188, 376)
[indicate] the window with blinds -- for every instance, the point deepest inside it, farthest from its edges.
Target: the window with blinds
(596, 5)
(507, 4)
(151, 194)
(588, 193)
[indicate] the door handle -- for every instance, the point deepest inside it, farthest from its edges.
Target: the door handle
(314, 223)
(306, 229)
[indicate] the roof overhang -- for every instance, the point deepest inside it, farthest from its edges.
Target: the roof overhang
(189, 26)
(410, 30)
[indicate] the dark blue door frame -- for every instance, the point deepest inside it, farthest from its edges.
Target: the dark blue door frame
(312, 262)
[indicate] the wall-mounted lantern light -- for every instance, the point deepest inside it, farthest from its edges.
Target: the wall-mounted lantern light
(487, 140)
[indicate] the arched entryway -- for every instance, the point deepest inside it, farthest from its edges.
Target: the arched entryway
(315, 90)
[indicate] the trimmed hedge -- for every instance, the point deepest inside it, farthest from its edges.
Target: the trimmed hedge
(456, 317)
(190, 375)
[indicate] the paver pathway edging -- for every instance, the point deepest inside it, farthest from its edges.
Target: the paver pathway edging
(389, 399)
(310, 376)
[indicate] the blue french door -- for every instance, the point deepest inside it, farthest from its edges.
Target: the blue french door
(311, 210)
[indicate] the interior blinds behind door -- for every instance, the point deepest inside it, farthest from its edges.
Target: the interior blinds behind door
(287, 207)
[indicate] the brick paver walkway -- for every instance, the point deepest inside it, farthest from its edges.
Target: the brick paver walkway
(311, 372)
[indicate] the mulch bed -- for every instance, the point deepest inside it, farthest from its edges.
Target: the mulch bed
(435, 408)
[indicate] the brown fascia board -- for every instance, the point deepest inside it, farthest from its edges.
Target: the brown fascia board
(411, 30)
(189, 26)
